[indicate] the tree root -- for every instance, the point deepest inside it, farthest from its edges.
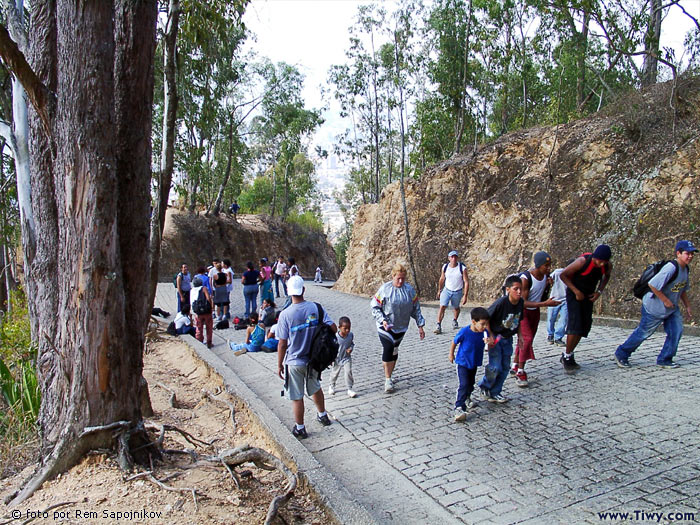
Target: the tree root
(171, 428)
(161, 483)
(228, 404)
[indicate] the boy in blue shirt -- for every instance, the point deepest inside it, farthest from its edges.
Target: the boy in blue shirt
(469, 356)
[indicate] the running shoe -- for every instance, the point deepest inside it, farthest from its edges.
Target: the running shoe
(521, 378)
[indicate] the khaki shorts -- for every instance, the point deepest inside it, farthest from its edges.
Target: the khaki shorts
(298, 377)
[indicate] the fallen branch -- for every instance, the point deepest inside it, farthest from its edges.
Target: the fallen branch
(228, 404)
(173, 398)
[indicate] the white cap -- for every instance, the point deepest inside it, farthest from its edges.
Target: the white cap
(295, 285)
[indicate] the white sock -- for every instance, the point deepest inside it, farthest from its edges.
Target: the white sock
(300, 427)
(321, 414)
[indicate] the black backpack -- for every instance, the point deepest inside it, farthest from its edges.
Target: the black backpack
(641, 287)
(171, 328)
(324, 345)
(201, 306)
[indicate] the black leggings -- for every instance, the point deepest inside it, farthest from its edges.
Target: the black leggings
(390, 344)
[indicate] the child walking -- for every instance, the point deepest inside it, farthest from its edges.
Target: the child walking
(469, 356)
(346, 345)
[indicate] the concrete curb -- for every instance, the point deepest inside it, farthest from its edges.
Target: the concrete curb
(330, 491)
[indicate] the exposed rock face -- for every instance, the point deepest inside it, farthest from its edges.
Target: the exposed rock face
(619, 180)
(196, 240)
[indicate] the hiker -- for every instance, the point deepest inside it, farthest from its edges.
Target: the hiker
(221, 297)
(233, 209)
(585, 279)
(254, 337)
(280, 269)
(292, 268)
(226, 266)
(183, 283)
(346, 345)
(392, 308)
(557, 316)
(504, 318)
(318, 276)
(266, 283)
(214, 269)
(660, 305)
(452, 287)
(470, 355)
(202, 274)
(535, 285)
(295, 330)
(203, 317)
(250, 280)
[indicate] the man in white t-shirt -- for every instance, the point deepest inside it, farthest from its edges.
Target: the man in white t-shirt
(453, 287)
(280, 270)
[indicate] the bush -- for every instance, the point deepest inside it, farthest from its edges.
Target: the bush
(19, 389)
(307, 220)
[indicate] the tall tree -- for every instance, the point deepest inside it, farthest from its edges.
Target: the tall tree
(90, 152)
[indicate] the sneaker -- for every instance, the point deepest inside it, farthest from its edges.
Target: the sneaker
(550, 339)
(573, 362)
(622, 363)
(498, 398)
(559, 342)
(324, 420)
(514, 369)
(521, 378)
(301, 434)
(351, 393)
(438, 329)
(471, 404)
(569, 364)
(669, 365)
(460, 414)
(485, 394)
(331, 390)
(455, 324)
(388, 386)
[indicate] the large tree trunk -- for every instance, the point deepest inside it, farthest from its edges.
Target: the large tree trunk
(90, 200)
(227, 173)
(167, 155)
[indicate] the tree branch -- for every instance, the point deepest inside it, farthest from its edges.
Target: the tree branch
(7, 134)
(39, 95)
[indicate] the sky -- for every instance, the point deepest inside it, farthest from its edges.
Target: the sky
(313, 35)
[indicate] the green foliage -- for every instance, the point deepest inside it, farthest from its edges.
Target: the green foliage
(307, 220)
(341, 248)
(18, 381)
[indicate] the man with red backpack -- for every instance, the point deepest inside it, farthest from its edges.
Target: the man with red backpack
(585, 279)
(660, 305)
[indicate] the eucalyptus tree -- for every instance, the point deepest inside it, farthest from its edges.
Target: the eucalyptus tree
(87, 69)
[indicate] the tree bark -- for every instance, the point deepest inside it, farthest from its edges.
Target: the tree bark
(91, 202)
(167, 155)
(227, 173)
(651, 45)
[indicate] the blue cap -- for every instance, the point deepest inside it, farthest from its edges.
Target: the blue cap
(541, 258)
(602, 252)
(685, 246)
(453, 252)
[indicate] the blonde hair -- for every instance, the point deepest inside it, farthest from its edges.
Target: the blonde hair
(398, 268)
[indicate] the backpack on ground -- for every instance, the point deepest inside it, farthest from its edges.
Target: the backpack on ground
(221, 325)
(201, 306)
(240, 323)
(171, 328)
(641, 287)
(324, 345)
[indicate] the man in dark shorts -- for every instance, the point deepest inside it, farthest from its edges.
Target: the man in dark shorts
(585, 279)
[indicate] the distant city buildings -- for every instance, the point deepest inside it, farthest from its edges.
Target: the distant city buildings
(332, 175)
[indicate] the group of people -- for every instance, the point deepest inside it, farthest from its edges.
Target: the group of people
(213, 286)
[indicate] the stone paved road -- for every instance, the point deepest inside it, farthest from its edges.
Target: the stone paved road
(561, 451)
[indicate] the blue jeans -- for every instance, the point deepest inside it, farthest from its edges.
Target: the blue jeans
(180, 302)
(466, 385)
(673, 326)
(279, 278)
(250, 293)
(556, 320)
(496, 371)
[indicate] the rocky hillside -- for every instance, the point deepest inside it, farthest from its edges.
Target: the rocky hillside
(196, 240)
(628, 178)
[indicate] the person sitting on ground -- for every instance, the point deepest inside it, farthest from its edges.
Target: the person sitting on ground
(469, 356)
(270, 344)
(267, 313)
(254, 337)
(183, 322)
(346, 344)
